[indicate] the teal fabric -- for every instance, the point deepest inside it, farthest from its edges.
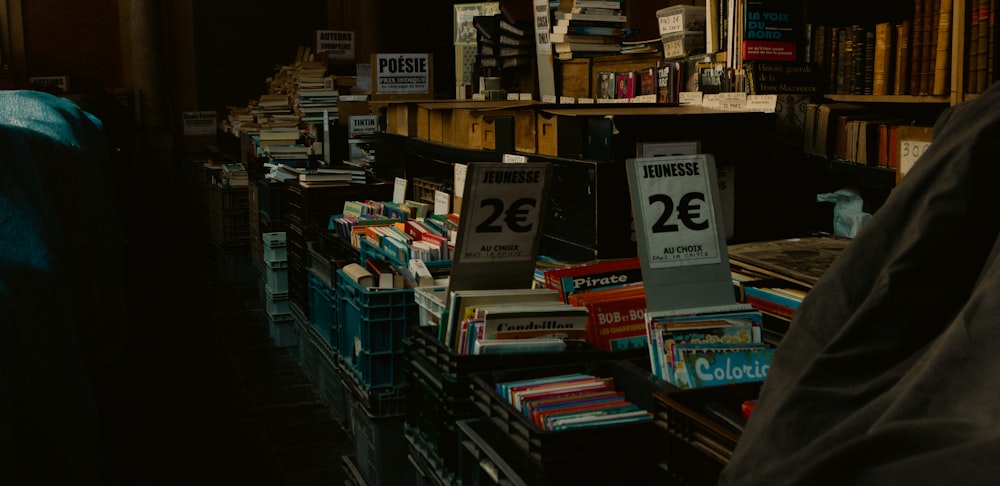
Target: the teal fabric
(61, 309)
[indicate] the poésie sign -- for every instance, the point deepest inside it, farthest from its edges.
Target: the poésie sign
(402, 73)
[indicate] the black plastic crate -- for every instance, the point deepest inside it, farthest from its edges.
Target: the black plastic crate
(270, 198)
(696, 447)
(428, 467)
(627, 452)
(486, 458)
(423, 341)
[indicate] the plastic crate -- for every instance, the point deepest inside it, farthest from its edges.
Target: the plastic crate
(439, 384)
(276, 303)
(275, 247)
(372, 325)
(369, 250)
(270, 195)
(434, 405)
(696, 447)
(424, 187)
(487, 459)
(423, 341)
(627, 451)
(276, 277)
(427, 465)
(431, 303)
(281, 328)
(323, 307)
(378, 401)
(379, 445)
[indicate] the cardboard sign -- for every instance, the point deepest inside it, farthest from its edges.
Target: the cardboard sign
(338, 44)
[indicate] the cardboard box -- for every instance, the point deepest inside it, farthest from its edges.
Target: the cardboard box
(353, 105)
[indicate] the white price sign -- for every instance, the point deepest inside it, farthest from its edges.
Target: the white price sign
(399, 190)
(459, 175)
(676, 204)
(442, 202)
(402, 73)
(501, 211)
(909, 152)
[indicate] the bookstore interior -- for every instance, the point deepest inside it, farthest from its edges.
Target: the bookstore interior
(732, 242)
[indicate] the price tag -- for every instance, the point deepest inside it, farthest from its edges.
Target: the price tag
(584, 101)
(513, 96)
(514, 159)
(549, 98)
(524, 97)
(909, 152)
(676, 208)
(690, 98)
(399, 190)
(459, 177)
(567, 100)
(762, 103)
(711, 101)
(442, 202)
(502, 212)
(671, 23)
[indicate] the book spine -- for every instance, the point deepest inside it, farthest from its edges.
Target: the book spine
(858, 67)
(869, 67)
(844, 62)
(882, 69)
(943, 49)
(901, 79)
(916, 46)
(983, 45)
(927, 50)
(833, 60)
(970, 67)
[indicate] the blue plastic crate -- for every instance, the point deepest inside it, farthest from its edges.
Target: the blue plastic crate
(323, 308)
(372, 324)
(369, 250)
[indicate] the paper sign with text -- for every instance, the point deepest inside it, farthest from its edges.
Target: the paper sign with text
(399, 190)
(502, 211)
(402, 73)
(338, 44)
(199, 123)
(676, 206)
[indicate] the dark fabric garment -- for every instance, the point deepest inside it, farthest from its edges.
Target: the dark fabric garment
(61, 309)
(890, 372)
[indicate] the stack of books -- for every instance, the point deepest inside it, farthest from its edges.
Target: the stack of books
(505, 50)
(587, 28)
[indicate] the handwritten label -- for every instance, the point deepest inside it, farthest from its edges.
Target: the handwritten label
(567, 100)
(442, 202)
(543, 43)
(514, 159)
(762, 103)
(549, 98)
(524, 96)
(671, 23)
(909, 152)
(584, 101)
(693, 98)
(459, 176)
(399, 190)
(513, 96)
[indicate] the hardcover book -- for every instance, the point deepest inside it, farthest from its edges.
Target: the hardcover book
(773, 31)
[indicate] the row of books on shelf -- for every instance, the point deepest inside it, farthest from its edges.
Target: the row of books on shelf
(872, 136)
(980, 58)
(911, 57)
